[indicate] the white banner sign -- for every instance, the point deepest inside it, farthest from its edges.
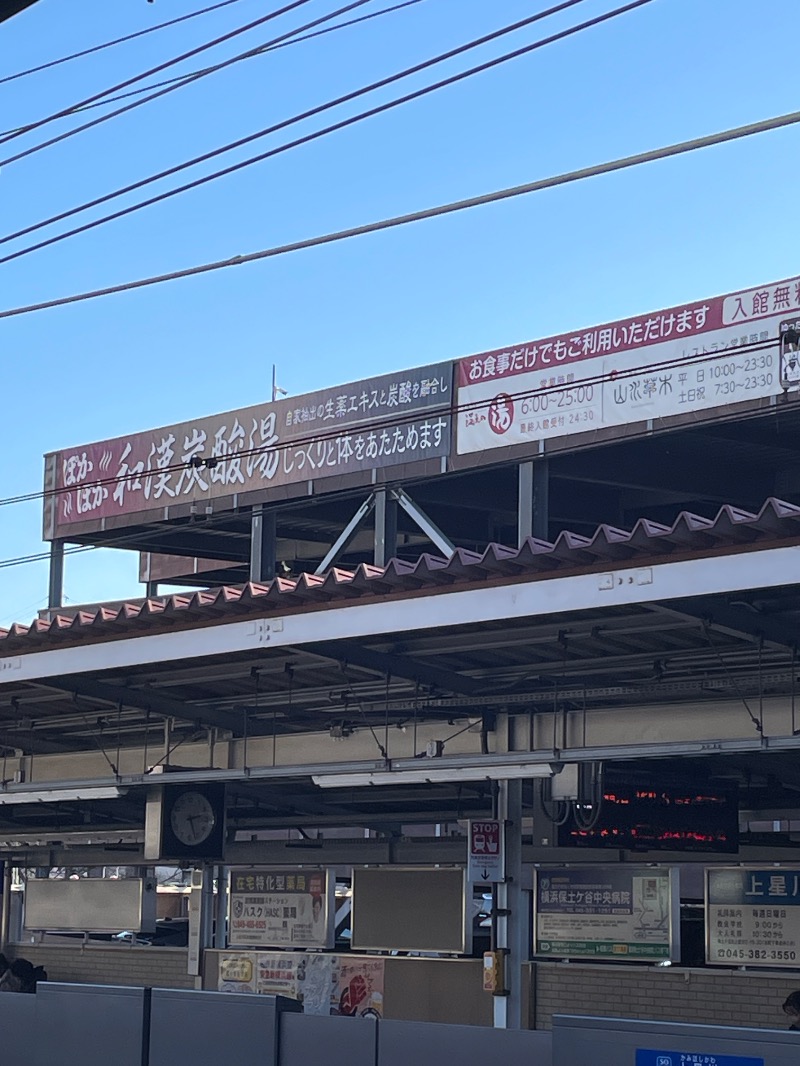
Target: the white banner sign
(753, 916)
(606, 912)
(703, 355)
(281, 908)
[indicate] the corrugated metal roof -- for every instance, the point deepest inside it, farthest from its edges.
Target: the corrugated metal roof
(732, 528)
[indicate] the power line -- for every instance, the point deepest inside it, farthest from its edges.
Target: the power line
(397, 420)
(419, 216)
(225, 517)
(308, 138)
(180, 83)
(110, 44)
(255, 52)
(154, 70)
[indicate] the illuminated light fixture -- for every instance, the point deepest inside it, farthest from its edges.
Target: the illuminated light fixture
(436, 775)
(57, 795)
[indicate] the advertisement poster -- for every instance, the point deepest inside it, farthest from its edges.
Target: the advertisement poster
(237, 973)
(383, 421)
(281, 908)
(702, 355)
(325, 984)
(606, 912)
(276, 975)
(359, 987)
(753, 916)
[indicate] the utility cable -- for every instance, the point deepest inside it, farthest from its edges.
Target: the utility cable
(222, 518)
(310, 113)
(180, 83)
(255, 52)
(395, 421)
(308, 138)
(110, 44)
(155, 70)
(568, 177)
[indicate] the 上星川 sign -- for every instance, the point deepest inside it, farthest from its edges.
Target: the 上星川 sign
(702, 355)
(281, 908)
(606, 912)
(753, 916)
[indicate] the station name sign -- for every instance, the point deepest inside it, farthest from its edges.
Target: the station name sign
(753, 916)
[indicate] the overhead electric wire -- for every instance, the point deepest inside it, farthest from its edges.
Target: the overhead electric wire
(119, 40)
(394, 421)
(316, 135)
(225, 517)
(568, 177)
(155, 70)
(255, 52)
(187, 80)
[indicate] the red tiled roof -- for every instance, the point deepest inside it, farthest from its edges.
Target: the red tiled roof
(732, 528)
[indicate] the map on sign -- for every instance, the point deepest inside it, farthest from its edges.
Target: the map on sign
(486, 853)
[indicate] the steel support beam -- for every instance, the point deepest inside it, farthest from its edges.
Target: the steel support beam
(385, 527)
(735, 621)
(55, 592)
(347, 534)
(39, 743)
(393, 665)
(263, 544)
(144, 700)
(533, 500)
(426, 524)
(399, 617)
(513, 924)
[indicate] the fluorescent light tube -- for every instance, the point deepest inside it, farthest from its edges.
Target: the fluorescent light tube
(57, 795)
(435, 775)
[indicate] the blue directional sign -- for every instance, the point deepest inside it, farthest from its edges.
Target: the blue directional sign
(646, 1057)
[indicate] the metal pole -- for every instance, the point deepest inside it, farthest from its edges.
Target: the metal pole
(533, 500)
(5, 909)
(347, 534)
(541, 499)
(263, 544)
(524, 502)
(513, 921)
(55, 594)
(385, 527)
(220, 924)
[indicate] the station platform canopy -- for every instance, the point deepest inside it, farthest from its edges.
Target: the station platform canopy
(412, 587)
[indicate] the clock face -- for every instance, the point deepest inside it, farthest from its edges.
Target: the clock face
(192, 818)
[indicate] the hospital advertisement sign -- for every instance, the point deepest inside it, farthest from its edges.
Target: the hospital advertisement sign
(606, 912)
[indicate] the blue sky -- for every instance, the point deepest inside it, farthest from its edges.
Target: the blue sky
(619, 245)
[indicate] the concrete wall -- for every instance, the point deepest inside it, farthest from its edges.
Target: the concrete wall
(112, 965)
(417, 990)
(450, 990)
(712, 997)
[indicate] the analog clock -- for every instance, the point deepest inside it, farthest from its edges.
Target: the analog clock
(192, 818)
